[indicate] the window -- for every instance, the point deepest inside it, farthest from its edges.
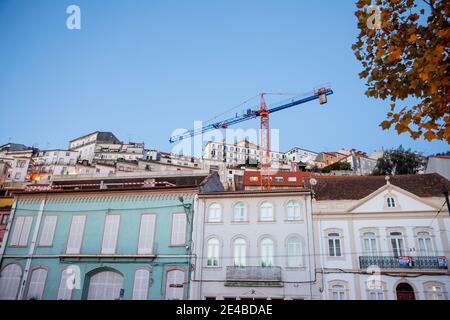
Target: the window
(175, 285)
(292, 179)
(294, 252)
(397, 244)
(266, 212)
(141, 284)
(146, 234)
(338, 292)
(293, 210)
(254, 179)
(376, 295)
(110, 233)
(178, 237)
(267, 252)
(425, 246)
(21, 231)
(105, 285)
(75, 235)
(48, 231)
(65, 287)
(5, 218)
(279, 179)
(37, 284)
(213, 253)
(214, 213)
(240, 212)
(390, 202)
(334, 244)
(9, 281)
(370, 244)
(435, 292)
(240, 252)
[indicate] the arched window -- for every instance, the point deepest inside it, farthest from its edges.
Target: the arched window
(141, 284)
(175, 285)
(425, 245)
(266, 211)
(293, 210)
(213, 252)
(391, 202)
(435, 291)
(294, 252)
(214, 213)
(105, 285)
(334, 244)
(267, 252)
(10, 281)
(370, 244)
(37, 284)
(240, 212)
(240, 252)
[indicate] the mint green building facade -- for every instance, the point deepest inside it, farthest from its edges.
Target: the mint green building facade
(100, 244)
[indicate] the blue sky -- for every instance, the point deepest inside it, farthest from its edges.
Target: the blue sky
(144, 68)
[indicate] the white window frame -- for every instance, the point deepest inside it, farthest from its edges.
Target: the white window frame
(240, 212)
(110, 233)
(178, 232)
(214, 212)
(294, 258)
(399, 249)
(36, 283)
(370, 243)
(267, 248)
(21, 231)
(266, 211)
(334, 244)
(141, 284)
(240, 252)
(425, 243)
(175, 285)
(64, 292)
(293, 212)
(75, 237)
(48, 231)
(213, 252)
(10, 278)
(146, 238)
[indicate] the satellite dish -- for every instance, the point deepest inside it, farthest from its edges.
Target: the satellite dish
(313, 182)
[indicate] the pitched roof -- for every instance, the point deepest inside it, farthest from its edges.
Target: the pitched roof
(357, 187)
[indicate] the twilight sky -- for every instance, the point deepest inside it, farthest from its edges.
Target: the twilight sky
(141, 69)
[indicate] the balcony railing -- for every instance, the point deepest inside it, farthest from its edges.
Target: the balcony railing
(254, 274)
(407, 262)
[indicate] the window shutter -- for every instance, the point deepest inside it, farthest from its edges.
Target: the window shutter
(110, 234)
(23, 241)
(141, 282)
(178, 229)
(48, 231)
(76, 234)
(146, 234)
(16, 232)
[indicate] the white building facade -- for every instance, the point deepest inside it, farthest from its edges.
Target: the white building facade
(391, 244)
(253, 246)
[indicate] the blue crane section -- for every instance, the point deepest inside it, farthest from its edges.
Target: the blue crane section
(320, 94)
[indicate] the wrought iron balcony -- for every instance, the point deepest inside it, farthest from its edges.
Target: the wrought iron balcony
(262, 276)
(408, 262)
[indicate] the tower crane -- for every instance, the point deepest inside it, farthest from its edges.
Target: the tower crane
(263, 112)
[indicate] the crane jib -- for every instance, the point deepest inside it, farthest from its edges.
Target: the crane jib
(250, 114)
